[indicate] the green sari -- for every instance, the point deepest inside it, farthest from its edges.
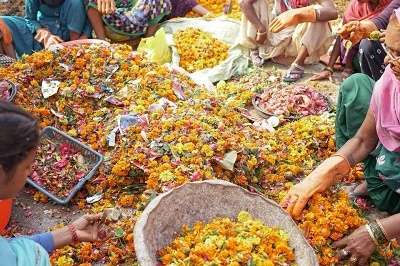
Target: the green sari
(381, 167)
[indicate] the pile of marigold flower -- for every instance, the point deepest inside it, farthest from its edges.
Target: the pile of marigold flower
(198, 49)
(189, 134)
(242, 242)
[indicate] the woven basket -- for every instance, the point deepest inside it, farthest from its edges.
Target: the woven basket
(205, 201)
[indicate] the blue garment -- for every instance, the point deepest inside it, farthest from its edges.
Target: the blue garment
(70, 16)
(45, 240)
(22, 251)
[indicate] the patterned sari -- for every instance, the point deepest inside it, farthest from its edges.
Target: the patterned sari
(132, 17)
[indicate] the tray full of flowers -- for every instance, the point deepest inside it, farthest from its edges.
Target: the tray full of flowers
(7, 90)
(215, 222)
(62, 165)
(292, 101)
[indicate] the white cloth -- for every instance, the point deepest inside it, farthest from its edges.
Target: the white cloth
(288, 41)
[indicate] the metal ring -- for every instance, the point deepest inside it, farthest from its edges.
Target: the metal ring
(344, 253)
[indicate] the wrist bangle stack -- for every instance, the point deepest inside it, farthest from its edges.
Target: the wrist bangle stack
(261, 33)
(72, 230)
(382, 229)
(329, 69)
(372, 235)
(377, 233)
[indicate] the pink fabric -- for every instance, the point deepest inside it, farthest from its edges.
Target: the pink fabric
(359, 11)
(385, 105)
(293, 4)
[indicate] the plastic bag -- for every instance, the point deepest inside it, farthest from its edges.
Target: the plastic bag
(156, 48)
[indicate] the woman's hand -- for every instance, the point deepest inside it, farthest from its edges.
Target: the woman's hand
(355, 31)
(326, 74)
(326, 174)
(106, 6)
(358, 246)
(89, 228)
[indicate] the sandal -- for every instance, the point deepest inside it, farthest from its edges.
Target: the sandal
(353, 194)
(294, 75)
(256, 59)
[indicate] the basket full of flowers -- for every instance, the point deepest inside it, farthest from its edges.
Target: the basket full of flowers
(62, 165)
(7, 90)
(190, 225)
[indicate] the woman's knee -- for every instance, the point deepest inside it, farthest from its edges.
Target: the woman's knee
(366, 48)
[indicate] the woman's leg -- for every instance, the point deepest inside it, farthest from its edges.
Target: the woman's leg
(371, 55)
(8, 50)
(296, 69)
(353, 103)
(73, 18)
(97, 23)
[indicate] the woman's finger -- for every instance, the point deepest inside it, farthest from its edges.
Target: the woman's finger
(299, 206)
(103, 217)
(340, 243)
(284, 201)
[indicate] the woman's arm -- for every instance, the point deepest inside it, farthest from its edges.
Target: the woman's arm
(31, 11)
(250, 14)
(200, 10)
(328, 11)
(360, 146)
(391, 226)
(382, 20)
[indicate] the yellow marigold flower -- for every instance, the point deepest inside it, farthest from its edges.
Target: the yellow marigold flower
(72, 132)
(166, 176)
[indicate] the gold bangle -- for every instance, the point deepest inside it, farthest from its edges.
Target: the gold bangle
(382, 229)
(372, 236)
(329, 69)
(262, 33)
(347, 161)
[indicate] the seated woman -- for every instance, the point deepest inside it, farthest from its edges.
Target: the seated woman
(367, 129)
(126, 21)
(357, 10)
(371, 52)
(47, 22)
(19, 139)
(288, 31)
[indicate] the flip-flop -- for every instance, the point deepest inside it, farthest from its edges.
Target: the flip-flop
(353, 194)
(256, 59)
(298, 74)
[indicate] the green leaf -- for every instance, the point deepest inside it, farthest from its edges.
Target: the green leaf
(118, 232)
(151, 197)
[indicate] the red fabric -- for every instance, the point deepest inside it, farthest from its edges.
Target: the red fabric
(293, 4)
(359, 11)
